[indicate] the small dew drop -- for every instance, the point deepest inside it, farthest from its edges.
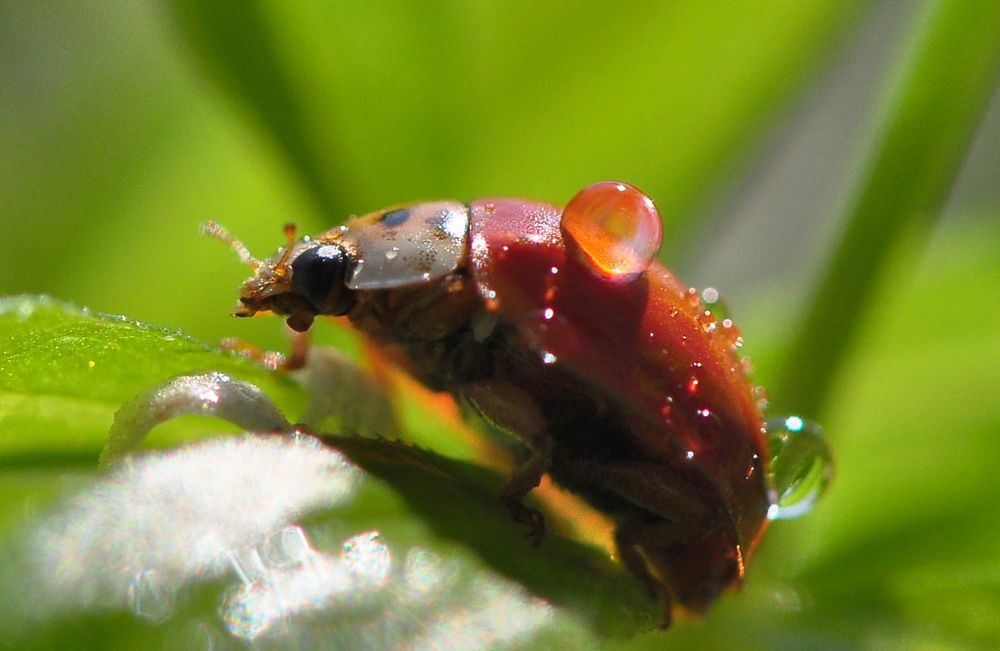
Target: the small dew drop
(716, 304)
(392, 253)
(668, 407)
(90, 364)
(801, 466)
(548, 313)
(692, 385)
(549, 358)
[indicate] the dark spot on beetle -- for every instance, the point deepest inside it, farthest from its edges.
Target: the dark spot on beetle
(395, 218)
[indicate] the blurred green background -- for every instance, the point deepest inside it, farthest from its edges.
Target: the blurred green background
(833, 167)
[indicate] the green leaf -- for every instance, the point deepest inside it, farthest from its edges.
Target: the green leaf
(64, 371)
(948, 75)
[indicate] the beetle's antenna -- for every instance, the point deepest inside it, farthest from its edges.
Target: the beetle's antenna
(219, 232)
(279, 266)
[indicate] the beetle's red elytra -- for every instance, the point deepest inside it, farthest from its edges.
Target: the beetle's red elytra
(560, 327)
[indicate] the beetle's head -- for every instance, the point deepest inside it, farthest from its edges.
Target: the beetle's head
(301, 280)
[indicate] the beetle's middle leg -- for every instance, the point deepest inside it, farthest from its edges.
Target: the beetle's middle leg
(511, 409)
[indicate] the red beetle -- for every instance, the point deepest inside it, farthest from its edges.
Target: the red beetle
(558, 326)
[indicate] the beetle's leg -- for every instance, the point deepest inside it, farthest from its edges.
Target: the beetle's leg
(298, 350)
(631, 538)
(269, 358)
(345, 397)
(689, 563)
(511, 409)
(295, 359)
(524, 479)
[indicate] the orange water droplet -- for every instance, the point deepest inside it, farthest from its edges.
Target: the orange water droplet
(614, 228)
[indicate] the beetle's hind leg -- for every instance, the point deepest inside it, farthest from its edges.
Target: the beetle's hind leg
(511, 409)
(631, 537)
(682, 562)
(524, 479)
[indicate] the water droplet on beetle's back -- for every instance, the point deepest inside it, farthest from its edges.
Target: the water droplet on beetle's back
(613, 228)
(800, 468)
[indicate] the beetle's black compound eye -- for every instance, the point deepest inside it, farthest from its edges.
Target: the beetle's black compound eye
(318, 275)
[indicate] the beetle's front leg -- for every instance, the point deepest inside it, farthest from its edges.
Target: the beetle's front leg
(511, 409)
(297, 357)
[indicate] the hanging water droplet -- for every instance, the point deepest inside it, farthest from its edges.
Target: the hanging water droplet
(613, 228)
(800, 467)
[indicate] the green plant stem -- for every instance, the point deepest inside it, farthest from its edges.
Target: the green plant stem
(943, 90)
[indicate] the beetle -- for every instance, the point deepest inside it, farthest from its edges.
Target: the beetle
(558, 325)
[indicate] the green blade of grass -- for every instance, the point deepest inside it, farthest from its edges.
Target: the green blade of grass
(942, 93)
(234, 38)
(413, 101)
